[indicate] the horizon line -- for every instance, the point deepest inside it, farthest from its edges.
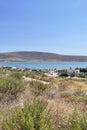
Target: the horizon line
(42, 52)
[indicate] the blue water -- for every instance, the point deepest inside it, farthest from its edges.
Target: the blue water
(45, 65)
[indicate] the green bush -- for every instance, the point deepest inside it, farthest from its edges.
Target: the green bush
(38, 87)
(31, 117)
(74, 121)
(17, 75)
(64, 74)
(10, 86)
(78, 121)
(82, 75)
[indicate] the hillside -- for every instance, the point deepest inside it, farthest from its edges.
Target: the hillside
(31, 100)
(39, 56)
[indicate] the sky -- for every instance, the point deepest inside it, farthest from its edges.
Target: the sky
(58, 26)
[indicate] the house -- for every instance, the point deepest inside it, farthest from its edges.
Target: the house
(73, 71)
(52, 73)
(77, 71)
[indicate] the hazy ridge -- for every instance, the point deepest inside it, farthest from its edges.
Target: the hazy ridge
(39, 56)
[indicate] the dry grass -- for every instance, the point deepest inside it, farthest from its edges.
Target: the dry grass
(81, 84)
(60, 96)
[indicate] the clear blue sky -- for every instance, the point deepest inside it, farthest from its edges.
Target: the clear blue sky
(58, 26)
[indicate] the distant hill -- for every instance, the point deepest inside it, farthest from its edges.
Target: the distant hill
(39, 56)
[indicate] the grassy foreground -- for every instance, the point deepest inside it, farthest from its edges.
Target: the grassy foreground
(33, 101)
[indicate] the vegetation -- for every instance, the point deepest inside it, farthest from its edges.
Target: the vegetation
(17, 75)
(83, 75)
(74, 121)
(38, 88)
(78, 121)
(31, 104)
(63, 73)
(10, 86)
(83, 70)
(31, 117)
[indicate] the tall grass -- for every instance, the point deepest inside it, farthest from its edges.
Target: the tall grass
(31, 117)
(10, 86)
(38, 88)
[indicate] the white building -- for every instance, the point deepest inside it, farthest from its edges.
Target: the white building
(52, 74)
(73, 71)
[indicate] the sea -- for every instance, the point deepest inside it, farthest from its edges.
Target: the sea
(45, 65)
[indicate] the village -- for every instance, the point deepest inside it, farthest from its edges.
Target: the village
(54, 73)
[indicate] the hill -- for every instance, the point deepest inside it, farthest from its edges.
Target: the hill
(39, 56)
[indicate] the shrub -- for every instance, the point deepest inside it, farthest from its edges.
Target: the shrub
(74, 121)
(82, 76)
(38, 87)
(78, 121)
(31, 117)
(63, 73)
(10, 86)
(17, 75)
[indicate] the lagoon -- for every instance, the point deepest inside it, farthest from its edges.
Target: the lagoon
(45, 65)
